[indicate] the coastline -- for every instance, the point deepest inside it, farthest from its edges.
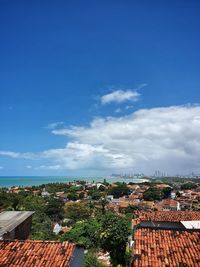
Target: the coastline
(9, 181)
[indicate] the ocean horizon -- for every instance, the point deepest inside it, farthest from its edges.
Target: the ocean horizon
(9, 181)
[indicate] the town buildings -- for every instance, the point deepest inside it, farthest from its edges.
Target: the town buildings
(29, 253)
(15, 224)
(166, 239)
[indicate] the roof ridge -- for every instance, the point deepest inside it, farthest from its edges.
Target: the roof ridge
(36, 241)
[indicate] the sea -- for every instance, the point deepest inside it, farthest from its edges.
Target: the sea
(9, 181)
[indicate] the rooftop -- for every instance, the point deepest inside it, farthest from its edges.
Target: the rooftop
(11, 219)
(169, 216)
(35, 253)
(164, 248)
(168, 203)
(191, 224)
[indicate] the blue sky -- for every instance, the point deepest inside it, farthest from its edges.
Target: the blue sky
(60, 59)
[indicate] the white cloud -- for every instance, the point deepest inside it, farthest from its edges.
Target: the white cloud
(9, 154)
(18, 155)
(158, 138)
(54, 125)
(120, 96)
(49, 167)
(166, 138)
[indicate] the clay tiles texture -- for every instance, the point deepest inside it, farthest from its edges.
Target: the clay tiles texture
(166, 248)
(35, 253)
(169, 216)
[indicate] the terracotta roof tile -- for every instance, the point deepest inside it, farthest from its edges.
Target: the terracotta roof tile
(166, 248)
(168, 202)
(35, 253)
(169, 216)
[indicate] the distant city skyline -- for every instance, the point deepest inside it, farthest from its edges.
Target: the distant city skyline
(95, 88)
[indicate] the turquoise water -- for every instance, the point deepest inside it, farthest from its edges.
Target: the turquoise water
(7, 181)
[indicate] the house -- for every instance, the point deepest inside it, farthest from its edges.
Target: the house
(147, 204)
(164, 219)
(110, 197)
(162, 186)
(166, 239)
(135, 198)
(173, 195)
(166, 248)
(168, 216)
(62, 195)
(15, 224)
(39, 253)
(168, 204)
(45, 193)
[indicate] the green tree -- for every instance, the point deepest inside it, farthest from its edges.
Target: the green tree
(119, 191)
(72, 196)
(189, 185)
(34, 203)
(103, 202)
(152, 194)
(54, 208)
(42, 228)
(166, 192)
(96, 195)
(85, 233)
(81, 195)
(114, 236)
(102, 188)
(131, 209)
(77, 211)
(90, 260)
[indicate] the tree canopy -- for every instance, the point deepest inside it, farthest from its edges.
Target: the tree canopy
(90, 260)
(120, 190)
(77, 211)
(152, 194)
(114, 236)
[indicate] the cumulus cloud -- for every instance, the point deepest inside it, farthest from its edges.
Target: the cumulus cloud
(120, 96)
(158, 138)
(166, 138)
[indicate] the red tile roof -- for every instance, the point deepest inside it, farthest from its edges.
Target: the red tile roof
(166, 248)
(35, 253)
(168, 203)
(169, 216)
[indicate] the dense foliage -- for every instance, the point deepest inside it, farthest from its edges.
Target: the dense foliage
(114, 236)
(54, 209)
(189, 185)
(152, 194)
(119, 191)
(77, 211)
(166, 192)
(84, 233)
(109, 232)
(90, 260)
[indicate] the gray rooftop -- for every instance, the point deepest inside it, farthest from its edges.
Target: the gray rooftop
(9, 220)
